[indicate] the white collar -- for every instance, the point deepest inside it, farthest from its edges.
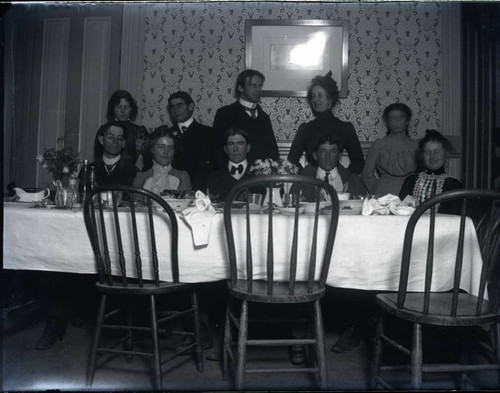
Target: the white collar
(111, 161)
(237, 175)
(161, 168)
(186, 124)
(230, 164)
(321, 173)
(248, 104)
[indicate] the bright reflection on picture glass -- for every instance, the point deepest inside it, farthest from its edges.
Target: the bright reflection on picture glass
(309, 55)
(290, 53)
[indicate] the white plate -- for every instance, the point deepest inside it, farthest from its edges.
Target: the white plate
(290, 210)
(310, 207)
(349, 212)
(178, 204)
(243, 210)
(354, 204)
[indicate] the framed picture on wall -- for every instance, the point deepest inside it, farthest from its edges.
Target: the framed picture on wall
(291, 52)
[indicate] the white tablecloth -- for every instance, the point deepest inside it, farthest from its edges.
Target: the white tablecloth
(366, 255)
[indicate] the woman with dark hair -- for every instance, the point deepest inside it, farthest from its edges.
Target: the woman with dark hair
(160, 176)
(392, 158)
(434, 148)
(123, 108)
(323, 95)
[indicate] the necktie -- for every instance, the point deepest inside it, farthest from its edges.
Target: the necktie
(183, 129)
(235, 169)
(327, 177)
(253, 112)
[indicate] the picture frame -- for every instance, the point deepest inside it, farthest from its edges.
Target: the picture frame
(291, 52)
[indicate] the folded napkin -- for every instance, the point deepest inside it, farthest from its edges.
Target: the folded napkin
(199, 218)
(388, 204)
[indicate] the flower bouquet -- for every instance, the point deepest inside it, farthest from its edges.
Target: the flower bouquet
(267, 166)
(271, 167)
(61, 162)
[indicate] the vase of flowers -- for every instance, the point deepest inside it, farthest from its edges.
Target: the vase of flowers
(267, 166)
(62, 162)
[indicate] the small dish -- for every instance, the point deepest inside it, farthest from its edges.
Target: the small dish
(352, 204)
(252, 208)
(348, 212)
(344, 196)
(178, 204)
(290, 210)
(310, 207)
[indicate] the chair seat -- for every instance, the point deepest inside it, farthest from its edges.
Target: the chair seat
(439, 310)
(281, 292)
(148, 288)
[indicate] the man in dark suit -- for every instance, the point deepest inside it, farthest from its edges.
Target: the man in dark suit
(326, 155)
(236, 146)
(112, 165)
(193, 147)
(246, 114)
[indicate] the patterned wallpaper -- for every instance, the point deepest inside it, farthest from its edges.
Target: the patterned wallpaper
(394, 55)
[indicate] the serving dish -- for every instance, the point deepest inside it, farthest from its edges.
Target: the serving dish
(178, 204)
(290, 210)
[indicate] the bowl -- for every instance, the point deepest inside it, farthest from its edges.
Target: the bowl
(290, 210)
(344, 196)
(178, 204)
(351, 204)
(310, 207)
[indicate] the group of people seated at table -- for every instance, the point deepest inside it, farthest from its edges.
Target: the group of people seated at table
(192, 156)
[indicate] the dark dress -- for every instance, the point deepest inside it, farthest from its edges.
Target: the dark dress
(326, 124)
(193, 153)
(425, 184)
(262, 140)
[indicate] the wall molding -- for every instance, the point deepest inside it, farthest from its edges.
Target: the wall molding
(53, 80)
(132, 50)
(95, 75)
(452, 83)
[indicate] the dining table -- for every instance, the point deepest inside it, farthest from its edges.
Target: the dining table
(366, 255)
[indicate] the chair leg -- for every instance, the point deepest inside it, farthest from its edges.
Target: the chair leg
(320, 345)
(416, 357)
(227, 342)
(242, 345)
(95, 342)
(128, 343)
(197, 332)
(464, 357)
(377, 350)
(156, 346)
(496, 335)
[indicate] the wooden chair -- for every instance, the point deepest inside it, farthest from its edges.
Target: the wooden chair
(255, 268)
(454, 309)
(129, 263)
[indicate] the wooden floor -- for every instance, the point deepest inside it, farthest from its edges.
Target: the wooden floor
(63, 367)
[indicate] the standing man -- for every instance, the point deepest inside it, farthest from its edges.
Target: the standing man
(194, 140)
(246, 114)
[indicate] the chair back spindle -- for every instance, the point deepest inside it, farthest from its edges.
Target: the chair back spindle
(472, 208)
(110, 227)
(265, 236)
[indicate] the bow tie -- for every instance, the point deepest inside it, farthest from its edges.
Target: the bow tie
(235, 169)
